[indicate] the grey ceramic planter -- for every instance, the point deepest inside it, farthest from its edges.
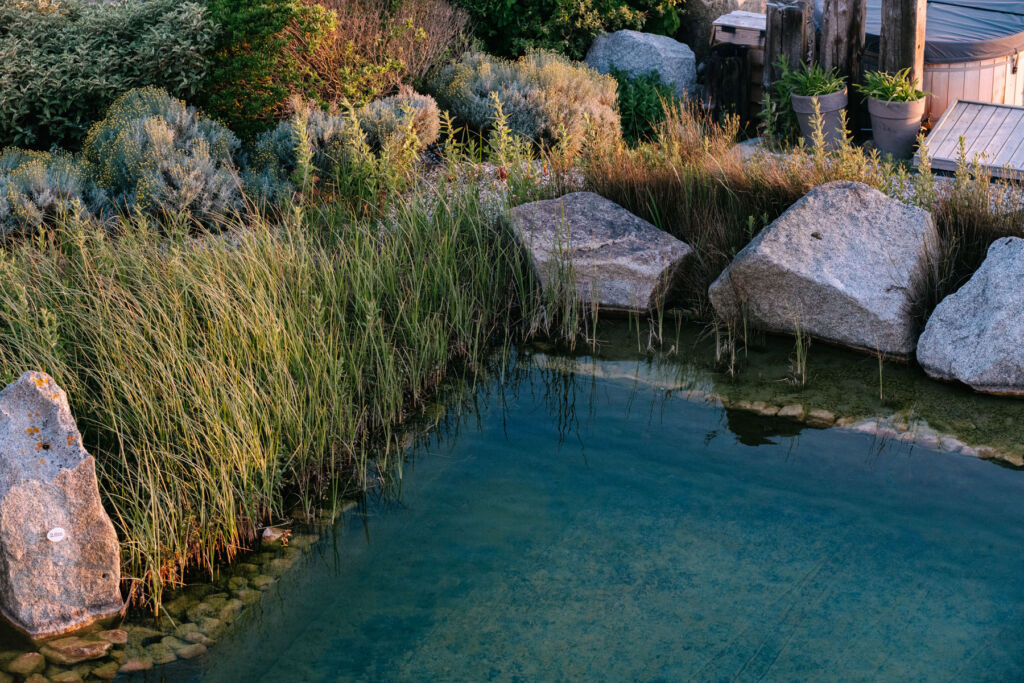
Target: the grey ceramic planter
(830, 106)
(895, 125)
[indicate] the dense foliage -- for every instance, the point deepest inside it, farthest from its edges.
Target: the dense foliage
(547, 98)
(327, 51)
(252, 73)
(511, 28)
(641, 104)
(63, 62)
(152, 153)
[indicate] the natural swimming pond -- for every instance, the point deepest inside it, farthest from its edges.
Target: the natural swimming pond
(585, 521)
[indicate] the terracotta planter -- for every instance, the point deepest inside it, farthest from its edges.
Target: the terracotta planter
(830, 106)
(895, 125)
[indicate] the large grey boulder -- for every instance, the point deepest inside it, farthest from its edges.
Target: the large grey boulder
(976, 335)
(843, 264)
(610, 255)
(638, 54)
(59, 555)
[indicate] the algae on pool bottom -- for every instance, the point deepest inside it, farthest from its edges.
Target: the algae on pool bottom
(596, 524)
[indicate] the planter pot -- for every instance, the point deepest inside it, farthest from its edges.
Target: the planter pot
(830, 106)
(895, 125)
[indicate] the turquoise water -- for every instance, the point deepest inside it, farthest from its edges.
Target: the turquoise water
(582, 528)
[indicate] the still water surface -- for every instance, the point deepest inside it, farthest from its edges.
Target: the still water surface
(574, 527)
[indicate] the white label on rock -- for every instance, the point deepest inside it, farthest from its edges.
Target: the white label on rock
(56, 534)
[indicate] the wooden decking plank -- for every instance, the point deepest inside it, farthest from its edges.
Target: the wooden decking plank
(951, 145)
(1012, 141)
(994, 133)
(988, 132)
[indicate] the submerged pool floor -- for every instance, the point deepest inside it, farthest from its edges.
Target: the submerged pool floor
(581, 528)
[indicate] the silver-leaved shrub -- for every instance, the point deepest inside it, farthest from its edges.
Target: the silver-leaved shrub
(390, 116)
(155, 155)
(39, 188)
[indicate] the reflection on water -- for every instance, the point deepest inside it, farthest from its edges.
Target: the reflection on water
(577, 526)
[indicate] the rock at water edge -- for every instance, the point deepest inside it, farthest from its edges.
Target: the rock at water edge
(845, 264)
(59, 555)
(976, 335)
(609, 255)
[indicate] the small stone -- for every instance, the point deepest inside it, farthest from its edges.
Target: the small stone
(263, 582)
(237, 583)
(177, 606)
(768, 411)
(249, 596)
(37, 678)
(136, 664)
(143, 635)
(161, 654)
(230, 611)
(248, 568)
(186, 627)
(27, 664)
(820, 418)
(66, 677)
(198, 611)
(211, 627)
(197, 637)
(191, 651)
(173, 643)
(73, 650)
(107, 671)
(793, 411)
(279, 565)
(950, 443)
(846, 421)
(117, 637)
(865, 427)
(118, 656)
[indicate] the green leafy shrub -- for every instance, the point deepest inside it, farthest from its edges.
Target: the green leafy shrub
(641, 104)
(898, 87)
(151, 153)
(513, 27)
(253, 74)
(547, 98)
(384, 118)
(63, 62)
(38, 188)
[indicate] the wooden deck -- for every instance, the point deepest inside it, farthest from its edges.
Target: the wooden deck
(994, 133)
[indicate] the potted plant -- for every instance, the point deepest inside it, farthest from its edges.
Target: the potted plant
(896, 107)
(815, 92)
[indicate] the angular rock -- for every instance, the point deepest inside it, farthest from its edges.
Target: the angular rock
(976, 335)
(603, 249)
(72, 650)
(637, 54)
(843, 264)
(59, 555)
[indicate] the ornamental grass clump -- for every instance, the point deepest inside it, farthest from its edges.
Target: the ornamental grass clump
(547, 98)
(155, 155)
(221, 382)
(39, 188)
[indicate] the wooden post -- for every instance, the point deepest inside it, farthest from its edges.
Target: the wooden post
(789, 32)
(842, 47)
(842, 37)
(901, 43)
